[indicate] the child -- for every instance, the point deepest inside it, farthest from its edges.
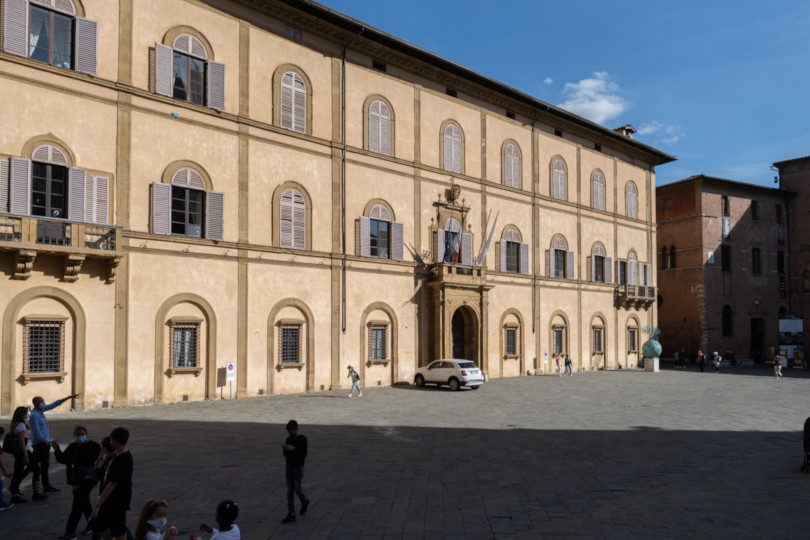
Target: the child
(153, 520)
(355, 382)
(227, 512)
(3, 504)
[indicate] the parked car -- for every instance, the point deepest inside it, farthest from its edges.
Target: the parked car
(451, 372)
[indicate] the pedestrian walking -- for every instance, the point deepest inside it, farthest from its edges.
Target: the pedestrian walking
(701, 360)
(153, 520)
(677, 358)
(558, 360)
(295, 453)
(568, 365)
(103, 463)
(24, 461)
(41, 439)
(110, 513)
(3, 504)
(227, 512)
(355, 382)
(79, 459)
(717, 360)
(777, 366)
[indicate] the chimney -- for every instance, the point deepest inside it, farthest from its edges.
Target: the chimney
(627, 130)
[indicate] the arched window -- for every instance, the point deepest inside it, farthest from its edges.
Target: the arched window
(453, 149)
(559, 335)
(379, 128)
(184, 207)
(728, 321)
(664, 258)
(631, 200)
(293, 102)
(599, 265)
(186, 72)
(560, 261)
(292, 220)
(598, 335)
(673, 260)
(511, 166)
(512, 255)
(50, 31)
(49, 183)
(632, 269)
(559, 180)
(598, 191)
(378, 236)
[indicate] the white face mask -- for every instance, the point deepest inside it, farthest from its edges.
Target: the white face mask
(158, 523)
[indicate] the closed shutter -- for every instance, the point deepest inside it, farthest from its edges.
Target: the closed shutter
(500, 257)
(608, 270)
(19, 181)
(299, 223)
(590, 267)
(76, 181)
(214, 215)
(299, 105)
(86, 46)
(466, 249)
(569, 265)
(161, 200)
(448, 153)
(374, 127)
(385, 130)
(96, 199)
(397, 241)
(286, 113)
(216, 85)
(364, 231)
(550, 262)
(3, 185)
(164, 70)
(285, 224)
(524, 258)
(511, 164)
(457, 156)
(15, 27)
(440, 245)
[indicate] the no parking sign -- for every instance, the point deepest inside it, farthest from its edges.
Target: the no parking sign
(230, 370)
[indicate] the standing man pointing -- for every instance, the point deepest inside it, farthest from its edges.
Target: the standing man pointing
(41, 439)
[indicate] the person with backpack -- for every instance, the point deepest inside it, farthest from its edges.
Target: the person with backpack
(79, 460)
(355, 382)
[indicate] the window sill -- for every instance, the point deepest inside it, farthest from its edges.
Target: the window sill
(290, 365)
(25, 378)
(511, 357)
(377, 363)
(171, 372)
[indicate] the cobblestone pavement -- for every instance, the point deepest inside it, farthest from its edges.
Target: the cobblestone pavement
(625, 454)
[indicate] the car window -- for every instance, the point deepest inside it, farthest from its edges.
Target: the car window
(435, 365)
(466, 365)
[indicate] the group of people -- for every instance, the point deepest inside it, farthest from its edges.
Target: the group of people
(560, 361)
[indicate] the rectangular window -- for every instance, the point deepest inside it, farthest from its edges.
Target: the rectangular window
(378, 349)
(51, 37)
(187, 211)
(632, 339)
(725, 257)
(754, 210)
(379, 238)
(290, 343)
(294, 33)
(780, 262)
(756, 260)
(48, 190)
(185, 350)
(43, 347)
(559, 339)
(598, 268)
(512, 257)
(622, 273)
(559, 263)
(598, 347)
(511, 341)
(189, 78)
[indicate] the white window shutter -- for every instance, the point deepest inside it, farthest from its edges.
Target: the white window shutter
(524, 258)
(19, 181)
(164, 70)
(96, 199)
(286, 220)
(457, 156)
(161, 201)
(440, 245)
(299, 226)
(569, 265)
(500, 256)
(4, 185)
(466, 249)
(550, 262)
(397, 241)
(214, 215)
(15, 27)
(299, 106)
(374, 127)
(76, 180)
(86, 46)
(608, 270)
(591, 267)
(365, 236)
(385, 130)
(286, 101)
(216, 85)
(448, 153)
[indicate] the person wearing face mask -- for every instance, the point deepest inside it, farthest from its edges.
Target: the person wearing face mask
(41, 439)
(79, 460)
(153, 521)
(24, 461)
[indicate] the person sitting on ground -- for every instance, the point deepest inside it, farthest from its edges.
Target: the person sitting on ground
(227, 512)
(153, 520)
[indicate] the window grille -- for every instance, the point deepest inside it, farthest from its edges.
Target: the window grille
(632, 339)
(44, 347)
(559, 339)
(378, 342)
(290, 343)
(511, 341)
(598, 343)
(185, 345)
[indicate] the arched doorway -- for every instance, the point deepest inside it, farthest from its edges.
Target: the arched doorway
(465, 334)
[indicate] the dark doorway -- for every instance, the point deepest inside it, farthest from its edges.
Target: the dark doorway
(459, 326)
(757, 339)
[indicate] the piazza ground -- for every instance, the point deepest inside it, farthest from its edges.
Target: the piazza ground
(624, 454)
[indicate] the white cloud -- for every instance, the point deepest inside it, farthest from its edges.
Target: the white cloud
(596, 98)
(548, 80)
(650, 127)
(665, 134)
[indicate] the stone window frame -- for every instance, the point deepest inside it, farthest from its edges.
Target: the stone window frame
(185, 322)
(30, 321)
(277, 76)
(391, 124)
(381, 324)
(463, 144)
(281, 324)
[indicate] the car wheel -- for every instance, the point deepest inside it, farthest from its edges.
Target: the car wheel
(420, 381)
(454, 385)
(474, 387)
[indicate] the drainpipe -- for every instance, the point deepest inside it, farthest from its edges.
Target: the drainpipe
(343, 181)
(534, 230)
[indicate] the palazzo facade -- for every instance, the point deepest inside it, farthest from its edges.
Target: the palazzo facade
(187, 185)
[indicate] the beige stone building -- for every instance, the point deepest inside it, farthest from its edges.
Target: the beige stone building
(189, 184)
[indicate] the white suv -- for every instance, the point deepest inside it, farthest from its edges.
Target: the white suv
(452, 372)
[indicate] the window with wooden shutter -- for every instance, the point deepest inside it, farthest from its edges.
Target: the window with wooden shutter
(379, 232)
(164, 70)
(86, 46)
(51, 33)
(397, 241)
(608, 270)
(598, 191)
(379, 128)
(19, 182)
(4, 187)
(160, 199)
(76, 194)
(597, 264)
(441, 244)
(510, 251)
(452, 149)
(524, 258)
(293, 102)
(362, 236)
(292, 220)
(214, 215)
(15, 27)
(44, 345)
(96, 199)
(289, 343)
(378, 342)
(632, 201)
(559, 179)
(558, 258)
(216, 85)
(511, 166)
(632, 269)
(184, 347)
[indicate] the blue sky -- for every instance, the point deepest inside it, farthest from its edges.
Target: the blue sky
(722, 85)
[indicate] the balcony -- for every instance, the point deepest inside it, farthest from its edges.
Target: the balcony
(639, 295)
(474, 276)
(75, 241)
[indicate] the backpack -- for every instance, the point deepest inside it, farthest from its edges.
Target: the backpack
(358, 374)
(10, 444)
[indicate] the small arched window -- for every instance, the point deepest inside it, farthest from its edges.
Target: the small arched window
(453, 149)
(631, 200)
(728, 321)
(560, 261)
(379, 128)
(598, 190)
(184, 207)
(512, 255)
(293, 102)
(293, 220)
(559, 180)
(511, 166)
(186, 72)
(378, 236)
(599, 265)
